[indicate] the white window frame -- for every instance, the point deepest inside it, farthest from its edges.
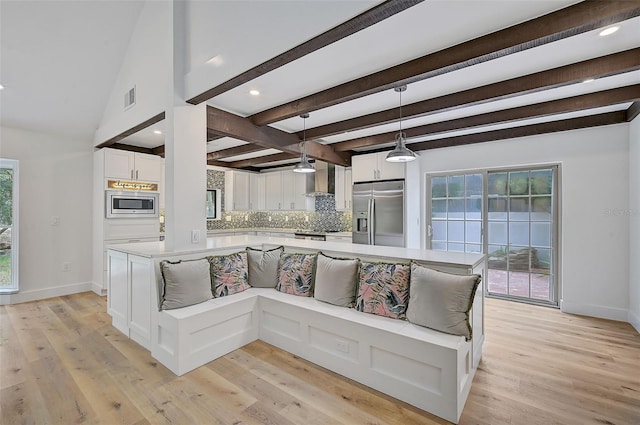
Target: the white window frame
(14, 165)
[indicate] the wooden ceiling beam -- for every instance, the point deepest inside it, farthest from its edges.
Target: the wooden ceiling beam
(607, 118)
(366, 19)
(241, 128)
(261, 160)
(633, 111)
(603, 66)
(132, 130)
(235, 151)
(570, 21)
(570, 104)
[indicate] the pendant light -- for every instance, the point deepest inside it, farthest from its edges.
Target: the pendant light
(401, 153)
(304, 166)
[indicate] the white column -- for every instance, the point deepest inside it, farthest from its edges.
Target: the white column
(185, 155)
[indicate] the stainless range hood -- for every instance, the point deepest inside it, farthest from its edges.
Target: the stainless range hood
(323, 181)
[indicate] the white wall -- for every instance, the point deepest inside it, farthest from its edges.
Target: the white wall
(634, 223)
(147, 65)
(55, 180)
(595, 183)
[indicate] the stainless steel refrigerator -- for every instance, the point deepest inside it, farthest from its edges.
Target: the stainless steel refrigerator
(378, 213)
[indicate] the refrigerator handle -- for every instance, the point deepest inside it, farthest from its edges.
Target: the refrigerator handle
(372, 222)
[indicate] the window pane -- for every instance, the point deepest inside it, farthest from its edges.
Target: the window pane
(541, 234)
(541, 287)
(519, 209)
(519, 284)
(497, 257)
(473, 248)
(541, 182)
(497, 184)
(518, 233)
(474, 185)
(474, 209)
(498, 232)
(439, 187)
(497, 208)
(519, 183)
(439, 228)
(541, 208)
(439, 246)
(474, 232)
(456, 208)
(458, 247)
(439, 209)
(455, 231)
(456, 186)
(519, 259)
(541, 260)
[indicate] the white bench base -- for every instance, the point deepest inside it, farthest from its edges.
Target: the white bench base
(428, 369)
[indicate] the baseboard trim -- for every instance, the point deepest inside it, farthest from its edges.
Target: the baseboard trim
(634, 319)
(603, 312)
(98, 289)
(40, 294)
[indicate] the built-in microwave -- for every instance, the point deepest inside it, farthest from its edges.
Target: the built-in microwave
(130, 204)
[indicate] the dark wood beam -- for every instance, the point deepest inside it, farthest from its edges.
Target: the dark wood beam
(576, 19)
(241, 128)
(570, 104)
(364, 20)
(235, 151)
(607, 118)
(633, 111)
(159, 151)
(594, 68)
(261, 160)
(130, 148)
(132, 130)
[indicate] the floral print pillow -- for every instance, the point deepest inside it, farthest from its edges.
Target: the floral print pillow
(229, 274)
(383, 289)
(295, 274)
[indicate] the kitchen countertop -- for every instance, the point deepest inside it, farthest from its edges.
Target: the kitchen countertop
(157, 249)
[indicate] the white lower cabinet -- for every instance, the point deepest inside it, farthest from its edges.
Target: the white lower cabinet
(130, 296)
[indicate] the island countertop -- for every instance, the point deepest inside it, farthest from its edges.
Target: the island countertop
(158, 250)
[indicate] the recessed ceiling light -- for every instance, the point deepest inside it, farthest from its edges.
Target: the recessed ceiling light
(217, 60)
(589, 80)
(1, 87)
(254, 92)
(609, 31)
(157, 132)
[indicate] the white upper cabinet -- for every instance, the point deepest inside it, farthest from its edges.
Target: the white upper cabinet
(236, 184)
(285, 191)
(373, 166)
(273, 192)
(119, 164)
(257, 189)
(343, 188)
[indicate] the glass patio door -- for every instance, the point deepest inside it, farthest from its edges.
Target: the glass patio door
(508, 214)
(8, 225)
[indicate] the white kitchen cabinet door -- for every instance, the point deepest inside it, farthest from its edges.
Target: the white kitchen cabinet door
(340, 197)
(236, 186)
(119, 164)
(140, 279)
(273, 192)
(374, 166)
(148, 168)
(389, 170)
(348, 188)
(257, 189)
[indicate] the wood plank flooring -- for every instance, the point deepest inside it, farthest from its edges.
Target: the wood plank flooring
(61, 362)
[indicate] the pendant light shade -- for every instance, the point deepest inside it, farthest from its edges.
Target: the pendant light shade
(401, 153)
(304, 166)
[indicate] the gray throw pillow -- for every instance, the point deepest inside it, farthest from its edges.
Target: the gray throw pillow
(441, 301)
(263, 267)
(336, 280)
(185, 283)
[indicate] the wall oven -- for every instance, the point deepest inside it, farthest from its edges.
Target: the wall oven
(130, 204)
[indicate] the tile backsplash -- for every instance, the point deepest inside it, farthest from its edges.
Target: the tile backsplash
(324, 218)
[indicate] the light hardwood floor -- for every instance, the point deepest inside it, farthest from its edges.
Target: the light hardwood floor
(62, 363)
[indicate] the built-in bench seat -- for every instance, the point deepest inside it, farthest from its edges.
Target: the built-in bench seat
(426, 368)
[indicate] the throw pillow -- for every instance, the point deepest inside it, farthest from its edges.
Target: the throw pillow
(336, 280)
(383, 289)
(229, 274)
(185, 283)
(296, 274)
(441, 301)
(263, 267)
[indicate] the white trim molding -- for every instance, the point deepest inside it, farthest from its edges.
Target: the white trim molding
(40, 294)
(603, 312)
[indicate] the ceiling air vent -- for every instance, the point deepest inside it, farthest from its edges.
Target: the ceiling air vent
(130, 98)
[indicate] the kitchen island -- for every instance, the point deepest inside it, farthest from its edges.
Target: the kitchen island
(423, 367)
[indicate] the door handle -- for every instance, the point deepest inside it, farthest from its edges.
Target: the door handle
(136, 174)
